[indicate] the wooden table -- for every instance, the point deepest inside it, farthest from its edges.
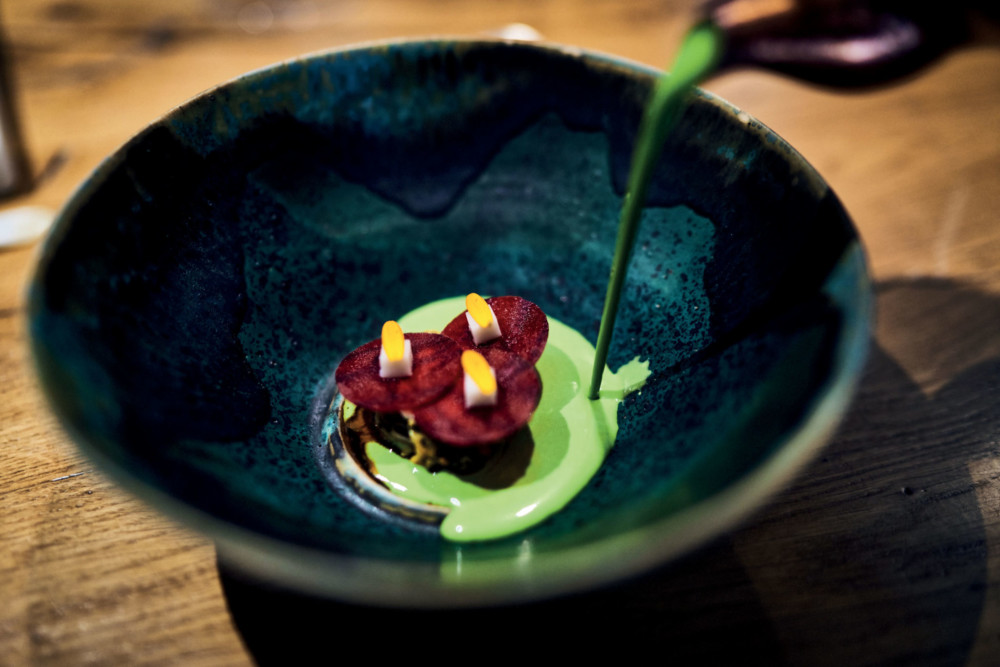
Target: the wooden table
(886, 550)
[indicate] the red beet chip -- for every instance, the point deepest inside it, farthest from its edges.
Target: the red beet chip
(523, 328)
(519, 389)
(436, 367)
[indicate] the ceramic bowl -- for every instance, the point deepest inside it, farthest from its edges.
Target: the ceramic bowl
(198, 291)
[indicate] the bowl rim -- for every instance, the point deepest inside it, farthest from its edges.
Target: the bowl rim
(595, 563)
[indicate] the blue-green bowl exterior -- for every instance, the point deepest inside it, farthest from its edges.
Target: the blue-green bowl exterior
(197, 292)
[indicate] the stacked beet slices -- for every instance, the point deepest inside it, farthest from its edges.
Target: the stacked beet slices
(433, 394)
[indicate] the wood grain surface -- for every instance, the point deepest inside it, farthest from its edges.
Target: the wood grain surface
(886, 550)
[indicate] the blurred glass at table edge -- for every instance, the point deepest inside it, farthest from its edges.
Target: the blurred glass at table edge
(15, 169)
(842, 43)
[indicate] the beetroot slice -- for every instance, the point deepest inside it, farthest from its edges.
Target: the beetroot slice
(436, 367)
(519, 387)
(523, 328)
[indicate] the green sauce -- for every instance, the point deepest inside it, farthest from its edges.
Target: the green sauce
(571, 434)
(697, 58)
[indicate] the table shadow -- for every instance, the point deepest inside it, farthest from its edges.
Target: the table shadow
(676, 611)
(877, 553)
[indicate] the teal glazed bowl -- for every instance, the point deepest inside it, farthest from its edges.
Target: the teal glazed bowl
(197, 293)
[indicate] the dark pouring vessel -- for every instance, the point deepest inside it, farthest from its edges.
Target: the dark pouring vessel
(842, 43)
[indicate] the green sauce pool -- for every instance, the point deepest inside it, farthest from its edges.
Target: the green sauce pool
(571, 435)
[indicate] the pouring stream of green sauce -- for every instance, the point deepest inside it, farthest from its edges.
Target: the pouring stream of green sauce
(699, 54)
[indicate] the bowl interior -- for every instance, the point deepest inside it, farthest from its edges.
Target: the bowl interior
(199, 290)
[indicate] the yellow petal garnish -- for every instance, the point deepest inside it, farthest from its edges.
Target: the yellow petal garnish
(479, 309)
(477, 368)
(392, 340)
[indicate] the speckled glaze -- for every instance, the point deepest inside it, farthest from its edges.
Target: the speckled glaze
(198, 291)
